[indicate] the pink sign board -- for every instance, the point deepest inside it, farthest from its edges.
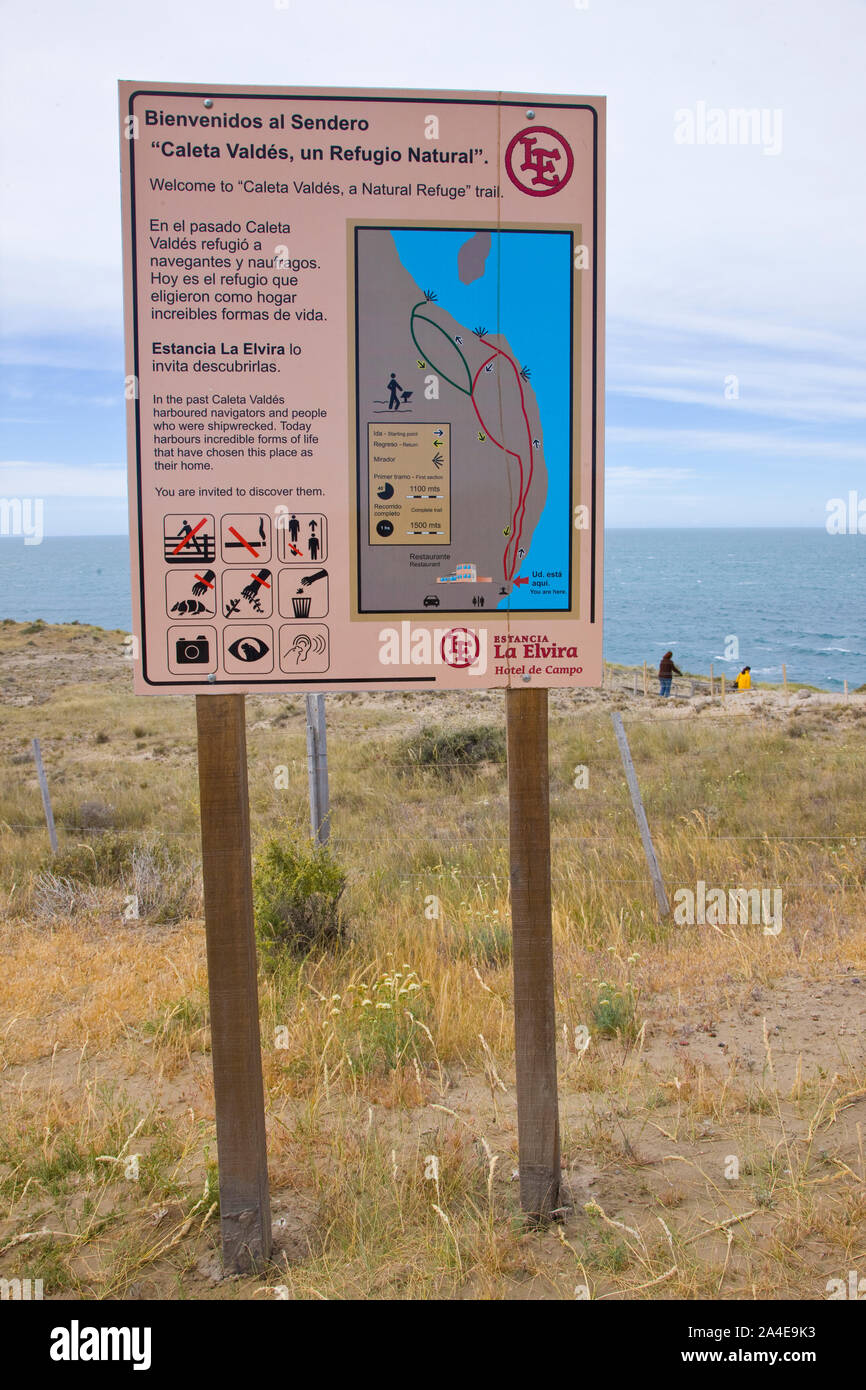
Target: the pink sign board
(364, 337)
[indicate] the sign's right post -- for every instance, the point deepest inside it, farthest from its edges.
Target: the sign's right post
(532, 952)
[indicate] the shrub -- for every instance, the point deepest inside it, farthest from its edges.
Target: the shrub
(613, 1011)
(94, 815)
(380, 1024)
(104, 859)
(482, 937)
(296, 894)
(165, 886)
(54, 896)
(490, 945)
(450, 750)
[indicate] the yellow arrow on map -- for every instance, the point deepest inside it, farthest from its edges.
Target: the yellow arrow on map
(421, 364)
(481, 436)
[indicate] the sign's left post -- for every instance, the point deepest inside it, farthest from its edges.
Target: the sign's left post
(186, 592)
(245, 1211)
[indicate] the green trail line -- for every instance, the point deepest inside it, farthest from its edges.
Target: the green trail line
(433, 324)
(515, 529)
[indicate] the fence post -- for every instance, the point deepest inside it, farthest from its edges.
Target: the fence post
(785, 677)
(640, 815)
(46, 795)
(317, 768)
(322, 771)
(644, 679)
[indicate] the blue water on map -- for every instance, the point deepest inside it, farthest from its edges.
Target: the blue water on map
(524, 295)
(793, 596)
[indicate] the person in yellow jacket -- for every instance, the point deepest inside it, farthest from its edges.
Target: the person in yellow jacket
(744, 679)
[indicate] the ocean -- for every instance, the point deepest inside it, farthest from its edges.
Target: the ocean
(523, 270)
(731, 597)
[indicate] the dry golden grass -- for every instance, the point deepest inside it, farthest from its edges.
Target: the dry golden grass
(731, 1045)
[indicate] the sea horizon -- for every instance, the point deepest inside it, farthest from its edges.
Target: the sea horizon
(711, 594)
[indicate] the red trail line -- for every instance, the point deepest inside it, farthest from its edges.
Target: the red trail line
(523, 493)
(511, 452)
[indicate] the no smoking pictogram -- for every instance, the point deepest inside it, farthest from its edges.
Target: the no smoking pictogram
(539, 161)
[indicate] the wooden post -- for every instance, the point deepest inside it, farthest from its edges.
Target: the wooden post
(846, 692)
(723, 687)
(640, 815)
(46, 796)
(712, 681)
(785, 677)
(245, 1211)
(317, 769)
(532, 952)
(635, 682)
(644, 679)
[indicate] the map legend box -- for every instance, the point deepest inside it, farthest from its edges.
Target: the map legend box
(409, 483)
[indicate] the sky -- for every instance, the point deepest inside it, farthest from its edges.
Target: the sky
(736, 279)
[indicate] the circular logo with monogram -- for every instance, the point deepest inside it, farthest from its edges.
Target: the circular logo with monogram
(460, 647)
(539, 161)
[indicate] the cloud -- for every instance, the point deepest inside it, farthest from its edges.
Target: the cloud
(733, 442)
(690, 228)
(24, 479)
(802, 376)
(618, 475)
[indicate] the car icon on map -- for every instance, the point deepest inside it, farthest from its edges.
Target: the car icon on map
(431, 601)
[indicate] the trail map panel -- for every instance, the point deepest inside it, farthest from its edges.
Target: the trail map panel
(364, 347)
(508, 473)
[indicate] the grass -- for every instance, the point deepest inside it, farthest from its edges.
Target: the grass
(668, 1059)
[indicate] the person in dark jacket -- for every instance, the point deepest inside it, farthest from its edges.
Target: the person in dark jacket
(667, 670)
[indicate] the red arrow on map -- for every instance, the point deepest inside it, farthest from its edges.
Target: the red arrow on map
(522, 581)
